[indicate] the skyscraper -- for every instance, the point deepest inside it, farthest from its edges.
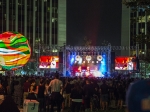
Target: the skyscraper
(42, 21)
(125, 30)
(135, 27)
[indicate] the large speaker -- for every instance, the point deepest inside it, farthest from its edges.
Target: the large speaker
(60, 57)
(113, 57)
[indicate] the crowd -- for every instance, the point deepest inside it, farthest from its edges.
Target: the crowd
(78, 93)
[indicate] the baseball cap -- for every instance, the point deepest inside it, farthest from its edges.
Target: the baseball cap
(138, 96)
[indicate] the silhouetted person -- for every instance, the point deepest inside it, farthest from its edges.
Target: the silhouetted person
(138, 96)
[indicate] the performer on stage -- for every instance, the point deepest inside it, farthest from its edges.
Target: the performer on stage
(42, 65)
(87, 71)
(97, 73)
(130, 65)
(53, 63)
(124, 66)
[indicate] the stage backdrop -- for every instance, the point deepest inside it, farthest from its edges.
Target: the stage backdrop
(87, 65)
(125, 63)
(51, 62)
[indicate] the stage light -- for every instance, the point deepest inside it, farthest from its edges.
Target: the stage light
(103, 65)
(88, 58)
(99, 58)
(80, 61)
(73, 53)
(78, 58)
(102, 62)
(72, 59)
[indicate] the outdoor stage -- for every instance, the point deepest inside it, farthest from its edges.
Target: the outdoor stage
(86, 61)
(87, 65)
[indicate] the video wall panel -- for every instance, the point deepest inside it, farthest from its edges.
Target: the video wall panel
(125, 63)
(51, 62)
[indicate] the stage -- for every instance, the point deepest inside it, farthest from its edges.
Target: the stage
(87, 61)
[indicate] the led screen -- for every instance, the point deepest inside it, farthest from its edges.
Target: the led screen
(125, 63)
(14, 50)
(88, 65)
(49, 62)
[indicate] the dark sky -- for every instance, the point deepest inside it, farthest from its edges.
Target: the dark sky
(97, 20)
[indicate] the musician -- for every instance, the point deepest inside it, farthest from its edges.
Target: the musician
(87, 71)
(42, 65)
(130, 65)
(53, 63)
(124, 66)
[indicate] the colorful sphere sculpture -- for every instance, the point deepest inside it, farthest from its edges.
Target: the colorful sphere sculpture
(14, 50)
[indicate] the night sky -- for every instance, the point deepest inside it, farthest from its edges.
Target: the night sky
(97, 20)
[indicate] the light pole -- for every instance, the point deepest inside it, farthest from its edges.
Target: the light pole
(64, 59)
(137, 49)
(38, 46)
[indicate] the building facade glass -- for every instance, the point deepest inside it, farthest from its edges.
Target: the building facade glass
(35, 19)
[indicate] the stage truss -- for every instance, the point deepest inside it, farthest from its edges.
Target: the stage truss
(86, 49)
(68, 49)
(107, 49)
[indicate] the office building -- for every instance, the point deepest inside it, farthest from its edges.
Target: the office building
(41, 21)
(134, 28)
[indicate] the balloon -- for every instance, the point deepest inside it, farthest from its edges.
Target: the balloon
(14, 50)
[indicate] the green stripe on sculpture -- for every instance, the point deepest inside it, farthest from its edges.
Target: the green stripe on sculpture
(14, 50)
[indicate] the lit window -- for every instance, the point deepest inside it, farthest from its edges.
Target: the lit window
(19, 3)
(5, 16)
(54, 50)
(48, 8)
(35, 8)
(54, 19)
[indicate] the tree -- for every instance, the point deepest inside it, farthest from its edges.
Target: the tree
(88, 42)
(105, 43)
(136, 3)
(30, 67)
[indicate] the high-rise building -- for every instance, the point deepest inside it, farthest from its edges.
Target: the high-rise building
(135, 22)
(125, 30)
(42, 21)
